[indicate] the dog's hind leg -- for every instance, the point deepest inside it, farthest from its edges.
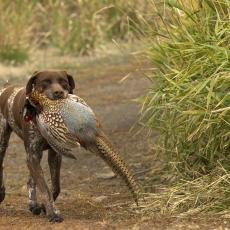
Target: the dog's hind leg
(5, 132)
(54, 160)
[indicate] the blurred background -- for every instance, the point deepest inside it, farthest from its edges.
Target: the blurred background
(32, 31)
(157, 74)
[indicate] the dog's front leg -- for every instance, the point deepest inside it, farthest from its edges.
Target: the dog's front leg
(54, 160)
(34, 148)
(36, 172)
(34, 206)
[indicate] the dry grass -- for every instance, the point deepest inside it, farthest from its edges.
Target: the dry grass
(73, 27)
(188, 102)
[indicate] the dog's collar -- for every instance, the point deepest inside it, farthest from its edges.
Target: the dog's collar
(29, 111)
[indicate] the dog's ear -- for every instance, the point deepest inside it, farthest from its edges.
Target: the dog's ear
(71, 83)
(31, 82)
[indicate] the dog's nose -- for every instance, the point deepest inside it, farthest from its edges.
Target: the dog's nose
(58, 94)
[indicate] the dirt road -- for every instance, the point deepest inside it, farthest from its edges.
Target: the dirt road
(91, 198)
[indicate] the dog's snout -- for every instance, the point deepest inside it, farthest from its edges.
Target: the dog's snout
(58, 94)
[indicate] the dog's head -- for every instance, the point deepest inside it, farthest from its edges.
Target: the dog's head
(54, 84)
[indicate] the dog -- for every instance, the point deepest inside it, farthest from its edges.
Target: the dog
(17, 115)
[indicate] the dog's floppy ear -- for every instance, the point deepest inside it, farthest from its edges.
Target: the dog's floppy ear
(30, 83)
(71, 83)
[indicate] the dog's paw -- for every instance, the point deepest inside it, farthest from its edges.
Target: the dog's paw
(55, 218)
(36, 209)
(43, 208)
(2, 193)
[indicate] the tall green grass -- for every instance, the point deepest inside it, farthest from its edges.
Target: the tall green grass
(73, 27)
(189, 98)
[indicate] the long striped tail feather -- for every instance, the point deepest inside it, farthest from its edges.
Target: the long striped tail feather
(113, 159)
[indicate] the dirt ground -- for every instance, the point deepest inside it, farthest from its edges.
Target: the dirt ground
(91, 198)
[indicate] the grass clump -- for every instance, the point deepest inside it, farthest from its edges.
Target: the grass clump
(208, 193)
(189, 99)
(16, 26)
(13, 55)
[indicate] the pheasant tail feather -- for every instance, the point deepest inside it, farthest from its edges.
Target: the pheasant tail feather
(112, 158)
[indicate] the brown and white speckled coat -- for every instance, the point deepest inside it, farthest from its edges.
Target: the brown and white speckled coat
(12, 100)
(54, 84)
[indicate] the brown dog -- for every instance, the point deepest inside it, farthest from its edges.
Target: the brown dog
(55, 85)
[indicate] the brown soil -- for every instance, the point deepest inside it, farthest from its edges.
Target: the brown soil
(90, 197)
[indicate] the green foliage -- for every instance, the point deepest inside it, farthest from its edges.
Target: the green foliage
(13, 55)
(74, 26)
(15, 30)
(79, 26)
(189, 100)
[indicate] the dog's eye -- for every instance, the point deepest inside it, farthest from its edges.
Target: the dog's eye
(45, 83)
(64, 83)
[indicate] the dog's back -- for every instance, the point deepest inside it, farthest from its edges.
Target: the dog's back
(12, 99)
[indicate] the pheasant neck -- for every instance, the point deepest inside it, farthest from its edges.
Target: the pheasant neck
(40, 99)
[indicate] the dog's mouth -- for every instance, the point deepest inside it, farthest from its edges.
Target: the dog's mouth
(56, 98)
(57, 95)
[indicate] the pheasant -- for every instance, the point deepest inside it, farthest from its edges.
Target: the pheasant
(70, 123)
